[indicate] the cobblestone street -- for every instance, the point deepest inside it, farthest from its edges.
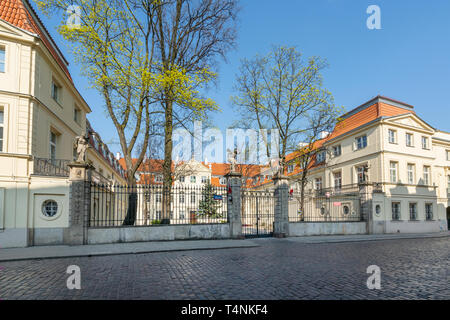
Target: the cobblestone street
(278, 269)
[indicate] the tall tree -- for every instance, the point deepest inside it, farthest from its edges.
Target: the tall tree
(282, 90)
(116, 52)
(190, 35)
(322, 121)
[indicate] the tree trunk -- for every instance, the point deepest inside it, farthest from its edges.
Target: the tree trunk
(130, 218)
(167, 165)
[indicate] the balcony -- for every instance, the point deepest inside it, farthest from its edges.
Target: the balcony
(51, 167)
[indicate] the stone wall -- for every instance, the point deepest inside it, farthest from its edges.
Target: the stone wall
(158, 233)
(298, 229)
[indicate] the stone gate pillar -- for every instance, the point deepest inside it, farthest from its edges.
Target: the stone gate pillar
(234, 204)
(366, 197)
(281, 219)
(79, 203)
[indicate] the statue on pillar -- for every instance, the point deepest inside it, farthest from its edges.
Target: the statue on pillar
(81, 144)
(232, 158)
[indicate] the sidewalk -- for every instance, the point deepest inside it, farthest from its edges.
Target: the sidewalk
(49, 252)
(367, 237)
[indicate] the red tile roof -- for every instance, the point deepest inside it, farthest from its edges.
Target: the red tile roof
(21, 14)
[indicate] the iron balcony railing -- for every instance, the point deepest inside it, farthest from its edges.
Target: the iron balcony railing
(51, 167)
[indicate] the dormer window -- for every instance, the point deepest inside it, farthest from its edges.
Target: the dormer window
(290, 168)
(320, 157)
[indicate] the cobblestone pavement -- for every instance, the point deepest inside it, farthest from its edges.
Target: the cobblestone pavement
(278, 269)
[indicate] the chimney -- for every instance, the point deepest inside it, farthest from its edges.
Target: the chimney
(323, 134)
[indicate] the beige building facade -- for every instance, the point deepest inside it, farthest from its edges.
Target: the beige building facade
(41, 113)
(385, 143)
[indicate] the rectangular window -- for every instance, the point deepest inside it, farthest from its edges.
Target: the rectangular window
(429, 211)
(411, 174)
(158, 197)
(448, 183)
(2, 121)
(393, 171)
(413, 211)
(76, 115)
(425, 143)
(426, 176)
(320, 157)
(361, 142)
(53, 146)
(204, 179)
(392, 136)
(182, 179)
(223, 180)
(337, 180)
(56, 91)
(193, 179)
(409, 140)
(361, 173)
(337, 151)
(2, 59)
(318, 183)
(192, 197)
(395, 210)
(447, 152)
(290, 168)
(158, 178)
(181, 197)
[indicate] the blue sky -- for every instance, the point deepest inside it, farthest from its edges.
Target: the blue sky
(407, 60)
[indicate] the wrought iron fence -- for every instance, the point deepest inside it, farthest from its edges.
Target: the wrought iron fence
(325, 207)
(258, 213)
(149, 205)
(51, 167)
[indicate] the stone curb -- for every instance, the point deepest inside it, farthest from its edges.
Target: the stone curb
(28, 256)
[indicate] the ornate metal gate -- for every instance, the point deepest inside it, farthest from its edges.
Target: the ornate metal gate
(257, 213)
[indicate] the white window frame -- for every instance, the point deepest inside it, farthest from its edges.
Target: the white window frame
(3, 48)
(53, 145)
(428, 213)
(427, 175)
(204, 179)
(223, 180)
(360, 174)
(337, 180)
(290, 168)
(77, 114)
(361, 142)
(2, 129)
(413, 216)
(393, 171)
(411, 172)
(58, 91)
(193, 179)
(335, 150)
(318, 183)
(447, 155)
(396, 214)
(410, 142)
(158, 178)
(392, 136)
(425, 143)
(181, 178)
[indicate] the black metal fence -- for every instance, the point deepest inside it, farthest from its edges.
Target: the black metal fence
(51, 167)
(325, 206)
(258, 213)
(146, 205)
